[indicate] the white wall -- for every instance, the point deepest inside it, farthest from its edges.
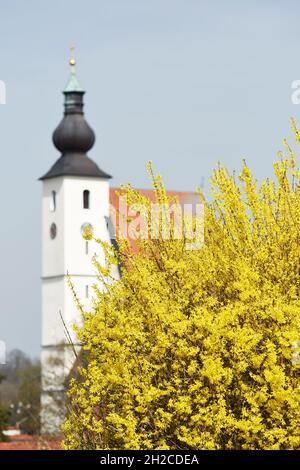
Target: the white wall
(53, 250)
(66, 254)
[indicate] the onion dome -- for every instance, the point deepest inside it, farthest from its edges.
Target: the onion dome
(74, 137)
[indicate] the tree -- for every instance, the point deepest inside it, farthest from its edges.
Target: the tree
(4, 417)
(29, 394)
(20, 391)
(197, 349)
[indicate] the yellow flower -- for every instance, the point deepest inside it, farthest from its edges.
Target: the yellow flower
(192, 349)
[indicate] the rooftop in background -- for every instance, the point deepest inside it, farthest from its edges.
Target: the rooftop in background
(184, 197)
(28, 442)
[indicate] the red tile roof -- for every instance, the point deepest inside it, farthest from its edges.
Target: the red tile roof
(28, 442)
(184, 197)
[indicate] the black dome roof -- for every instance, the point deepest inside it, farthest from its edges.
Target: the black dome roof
(73, 137)
(73, 134)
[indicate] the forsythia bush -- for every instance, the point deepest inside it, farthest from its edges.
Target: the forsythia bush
(195, 349)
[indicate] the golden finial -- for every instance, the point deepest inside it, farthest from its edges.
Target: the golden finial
(72, 60)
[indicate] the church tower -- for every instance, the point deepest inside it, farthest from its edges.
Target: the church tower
(75, 194)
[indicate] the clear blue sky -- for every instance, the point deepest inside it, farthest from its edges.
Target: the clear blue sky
(184, 83)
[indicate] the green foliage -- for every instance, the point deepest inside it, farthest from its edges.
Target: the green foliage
(4, 417)
(29, 394)
(20, 391)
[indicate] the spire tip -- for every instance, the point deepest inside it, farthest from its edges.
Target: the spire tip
(72, 61)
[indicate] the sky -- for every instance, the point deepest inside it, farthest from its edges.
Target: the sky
(183, 83)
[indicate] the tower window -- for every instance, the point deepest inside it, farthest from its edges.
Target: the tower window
(86, 199)
(87, 292)
(53, 201)
(86, 247)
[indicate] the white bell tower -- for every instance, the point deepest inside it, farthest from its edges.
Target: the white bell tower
(75, 194)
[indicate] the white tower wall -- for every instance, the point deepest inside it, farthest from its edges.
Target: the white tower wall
(66, 254)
